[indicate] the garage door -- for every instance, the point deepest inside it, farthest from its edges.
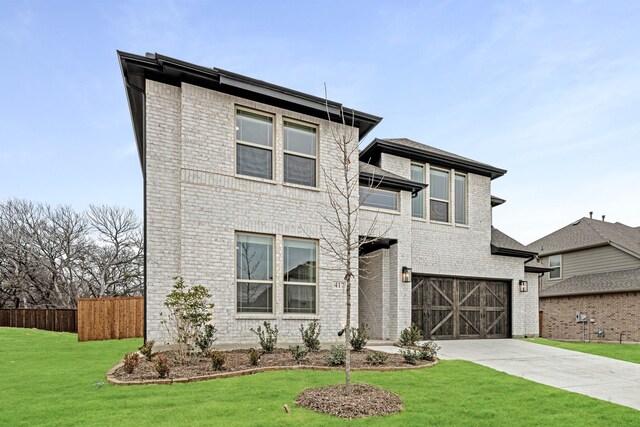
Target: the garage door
(454, 308)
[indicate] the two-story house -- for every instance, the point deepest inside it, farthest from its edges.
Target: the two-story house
(592, 291)
(233, 199)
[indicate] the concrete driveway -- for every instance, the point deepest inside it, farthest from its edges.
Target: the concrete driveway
(600, 377)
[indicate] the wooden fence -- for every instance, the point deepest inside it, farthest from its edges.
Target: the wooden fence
(48, 319)
(110, 318)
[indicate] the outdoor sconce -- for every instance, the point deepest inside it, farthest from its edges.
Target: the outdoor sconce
(524, 286)
(406, 274)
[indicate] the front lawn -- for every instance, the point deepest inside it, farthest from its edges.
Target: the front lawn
(49, 378)
(628, 352)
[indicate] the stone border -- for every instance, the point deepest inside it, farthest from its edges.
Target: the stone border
(113, 380)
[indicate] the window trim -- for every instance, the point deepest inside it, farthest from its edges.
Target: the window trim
(235, 275)
(316, 126)
(375, 208)
(316, 284)
(424, 180)
(448, 202)
(559, 267)
(465, 201)
(237, 108)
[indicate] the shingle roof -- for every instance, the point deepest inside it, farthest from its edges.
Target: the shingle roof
(501, 244)
(588, 232)
(598, 283)
(536, 266)
(379, 176)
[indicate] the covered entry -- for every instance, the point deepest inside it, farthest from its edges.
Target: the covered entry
(453, 308)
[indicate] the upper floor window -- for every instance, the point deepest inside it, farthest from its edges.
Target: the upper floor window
(555, 262)
(254, 273)
(439, 191)
(300, 275)
(300, 151)
(417, 203)
(254, 144)
(461, 199)
(378, 198)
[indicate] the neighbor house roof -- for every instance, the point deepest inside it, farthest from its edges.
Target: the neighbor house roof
(587, 232)
(598, 283)
(413, 150)
(136, 69)
(501, 244)
(375, 176)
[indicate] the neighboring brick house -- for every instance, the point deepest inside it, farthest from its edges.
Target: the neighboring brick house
(592, 291)
(233, 197)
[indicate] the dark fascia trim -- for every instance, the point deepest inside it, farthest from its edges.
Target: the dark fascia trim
(495, 250)
(532, 269)
(136, 69)
(371, 154)
(581, 293)
(496, 201)
(391, 183)
(383, 243)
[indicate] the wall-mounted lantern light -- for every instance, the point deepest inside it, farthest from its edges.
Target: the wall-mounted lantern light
(524, 286)
(406, 274)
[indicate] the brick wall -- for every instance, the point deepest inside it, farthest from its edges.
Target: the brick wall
(615, 313)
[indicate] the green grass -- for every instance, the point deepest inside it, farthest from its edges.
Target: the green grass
(628, 352)
(49, 378)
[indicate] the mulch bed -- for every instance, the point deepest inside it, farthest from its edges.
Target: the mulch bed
(238, 362)
(365, 401)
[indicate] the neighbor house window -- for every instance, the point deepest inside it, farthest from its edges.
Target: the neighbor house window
(300, 151)
(555, 262)
(300, 276)
(377, 198)
(254, 144)
(461, 198)
(254, 273)
(417, 203)
(439, 191)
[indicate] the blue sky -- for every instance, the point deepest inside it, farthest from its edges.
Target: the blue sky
(548, 90)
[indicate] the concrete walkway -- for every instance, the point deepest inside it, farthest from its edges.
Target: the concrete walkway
(596, 376)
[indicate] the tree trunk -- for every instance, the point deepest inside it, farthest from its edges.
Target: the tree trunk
(347, 335)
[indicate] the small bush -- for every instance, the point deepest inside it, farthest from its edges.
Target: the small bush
(310, 336)
(254, 357)
(147, 350)
(336, 356)
(359, 338)
(205, 339)
(429, 351)
(299, 352)
(268, 337)
(410, 356)
(161, 365)
(377, 358)
(218, 359)
(131, 361)
(409, 336)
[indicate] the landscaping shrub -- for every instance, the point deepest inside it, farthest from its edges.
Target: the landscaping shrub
(161, 365)
(254, 357)
(410, 356)
(131, 361)
(377, 358)
(299, 352)
(147, 349)
(336, 356)
(359, 338)
(410, 335)
(268, 337)
(218, 359)
(429, 351)
(310, 335)
(205, 339)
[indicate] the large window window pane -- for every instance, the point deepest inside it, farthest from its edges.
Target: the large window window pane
(254, 297)
(439, 211)
(299, 138)
(439, 184)
(254, 257)
(417, 203)
(555, 262)
(461, 199)
(299, 170)
(299, 299)
(300, 275)
(253, 161)
(254, 128)
(377, 198)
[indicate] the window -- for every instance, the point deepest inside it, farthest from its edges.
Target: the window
(461, 199)
(254, 144)
(300, 276)
(555, 262)
(377, 198)
(300, 146)
(417, 203)
(439, 202)
(254, 273)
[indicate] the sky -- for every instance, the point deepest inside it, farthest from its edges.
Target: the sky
(549, 90)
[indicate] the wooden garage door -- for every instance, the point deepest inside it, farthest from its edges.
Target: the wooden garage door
(450, 308)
